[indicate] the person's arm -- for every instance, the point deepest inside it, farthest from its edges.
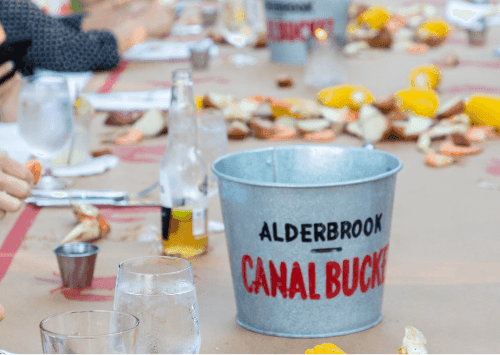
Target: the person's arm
(56, 46)
(15, 184)
(9, 92)
(73, 21)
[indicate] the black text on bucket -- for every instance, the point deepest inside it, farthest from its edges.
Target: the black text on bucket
(321, 232)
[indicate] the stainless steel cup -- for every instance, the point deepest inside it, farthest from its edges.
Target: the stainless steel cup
(76, 263)
(199, 58)
(209, 16)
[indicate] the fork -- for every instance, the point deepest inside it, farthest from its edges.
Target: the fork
(145, 192)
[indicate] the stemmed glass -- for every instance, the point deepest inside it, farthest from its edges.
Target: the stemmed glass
(160, 291)
(45, 120)
(238, 27)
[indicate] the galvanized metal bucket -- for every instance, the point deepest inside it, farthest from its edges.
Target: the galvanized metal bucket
(307, 230)
(289, 22)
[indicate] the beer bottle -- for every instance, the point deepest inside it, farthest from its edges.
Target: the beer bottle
(183, 176)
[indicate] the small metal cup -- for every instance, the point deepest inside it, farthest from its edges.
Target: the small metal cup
(477, 38)
(209, 16)
(199, 58)
(76, 263)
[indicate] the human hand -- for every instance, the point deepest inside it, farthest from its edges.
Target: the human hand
(157, 19)
(128, 34)
(15, 184)
(9, 93)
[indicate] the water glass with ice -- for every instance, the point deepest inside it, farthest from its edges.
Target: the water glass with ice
(161, 292)
(212, 142)
(45, 120)
(89, 332)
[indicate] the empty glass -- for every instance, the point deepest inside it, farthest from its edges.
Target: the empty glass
(160, 291)
(89, 332)
(238, 26)
(45, 122)
(212, 142)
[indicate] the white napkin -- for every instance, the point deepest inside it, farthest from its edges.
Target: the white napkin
(468, 15)
(163, 50)
(93, 166)
(130, 100)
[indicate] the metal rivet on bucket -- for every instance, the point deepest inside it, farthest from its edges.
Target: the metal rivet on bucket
(307, 231)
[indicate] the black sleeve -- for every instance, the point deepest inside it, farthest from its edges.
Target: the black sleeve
(57, 45)
(73, 21)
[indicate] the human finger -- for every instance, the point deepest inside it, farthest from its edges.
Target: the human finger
(6, 68)
(9, 203)
(14, 186)
(2, 214)
(14, 168)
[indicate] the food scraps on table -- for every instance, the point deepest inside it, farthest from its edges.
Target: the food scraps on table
(413, 28)
(413, 342)
(325, 348)
(91, 224)
(414, 113)
(35, 167)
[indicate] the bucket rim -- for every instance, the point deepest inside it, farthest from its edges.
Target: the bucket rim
(288, 185)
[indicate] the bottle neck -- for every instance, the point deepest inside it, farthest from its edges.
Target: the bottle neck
(182, 113)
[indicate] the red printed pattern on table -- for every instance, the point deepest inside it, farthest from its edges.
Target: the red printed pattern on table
(437, 3)
(457, 89)
(15, 237)
(491, 64)
(206, 79)
(98, 283)
(140, 154)
(112, 214)
(25, 220)
(494, 167)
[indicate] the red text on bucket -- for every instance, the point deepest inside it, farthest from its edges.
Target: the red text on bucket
(279, 31)
(348, 277)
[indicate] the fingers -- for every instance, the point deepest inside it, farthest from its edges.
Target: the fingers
(14, 186)
(6, 68)
(9, 203)
(10, 84)
(2, 214)
(11, 167)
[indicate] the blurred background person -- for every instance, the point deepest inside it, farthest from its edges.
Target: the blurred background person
(92, 41)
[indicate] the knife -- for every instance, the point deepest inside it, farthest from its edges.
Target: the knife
(80, 194)
(55, 202)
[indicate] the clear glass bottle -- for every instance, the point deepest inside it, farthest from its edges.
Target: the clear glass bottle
(183, 176)
(325, 65)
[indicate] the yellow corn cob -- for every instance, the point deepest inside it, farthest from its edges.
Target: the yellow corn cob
(484, 110)
(425, 77)
(420, 102)
(325, 348)
(346, 95)
(375, 17)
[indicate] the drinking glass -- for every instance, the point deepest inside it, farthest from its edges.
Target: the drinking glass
(238, 27)
(160, 291)
(212, 142)
(89, 332)
(45, 120)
